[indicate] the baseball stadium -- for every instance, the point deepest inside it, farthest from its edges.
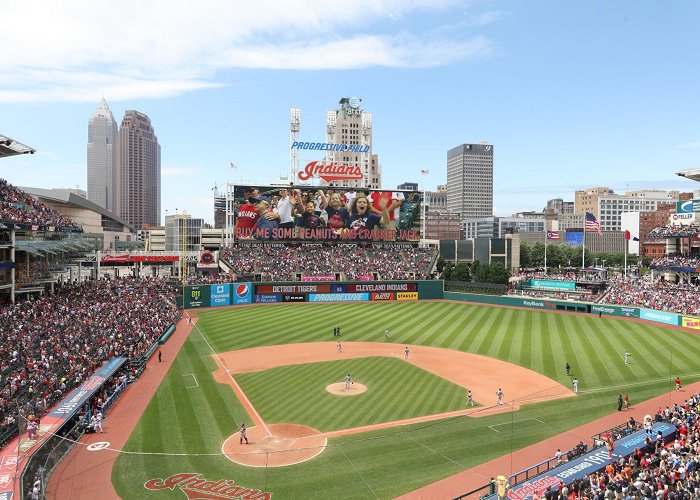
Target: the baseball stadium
(331, 361)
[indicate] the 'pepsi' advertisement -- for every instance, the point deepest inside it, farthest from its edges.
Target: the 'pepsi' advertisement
(242, 293)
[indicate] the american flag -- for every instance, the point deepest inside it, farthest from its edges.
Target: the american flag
(552, 235)
(425, 172)
(592, 223)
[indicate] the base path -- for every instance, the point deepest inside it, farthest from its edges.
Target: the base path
(85, 474)
(482, 374)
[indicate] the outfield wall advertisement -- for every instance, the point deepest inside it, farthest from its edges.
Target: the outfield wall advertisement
(628, 312)
(689, 322)
(228, 294)
(553, 284)
(659, 316)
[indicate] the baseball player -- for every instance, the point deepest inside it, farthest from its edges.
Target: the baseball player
(348, 381)
(242, 429)
(499, 395)
(470, 400)
(98, 421)
(386, 334)
(627, 358)
(574, 383)
(678, 383)
(339, 347)
(405, 353)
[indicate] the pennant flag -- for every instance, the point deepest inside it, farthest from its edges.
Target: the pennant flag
(552, 235)
(425, 172)
(592, 223)
(627, 235)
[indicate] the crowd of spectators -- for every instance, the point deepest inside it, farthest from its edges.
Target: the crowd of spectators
(654, 471)
(671, 231)
(18, 207)
(681, 298)
(677, 259)
(51, 343)
(281, 262)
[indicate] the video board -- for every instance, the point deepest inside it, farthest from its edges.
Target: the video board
(320, 213)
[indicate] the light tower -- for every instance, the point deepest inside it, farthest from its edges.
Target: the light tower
(294, 127)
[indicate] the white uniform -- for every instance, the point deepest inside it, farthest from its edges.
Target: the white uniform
(98, 422)
(575, 384)
(499, 394)
(348, 381)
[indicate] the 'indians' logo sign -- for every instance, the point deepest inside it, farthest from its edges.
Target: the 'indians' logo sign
(331, 172)
(197, 488)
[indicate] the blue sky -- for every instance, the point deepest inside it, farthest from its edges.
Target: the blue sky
(571, 94)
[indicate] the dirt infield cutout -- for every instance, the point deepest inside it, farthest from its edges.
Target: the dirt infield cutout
(339, 389)
(285, 444)
(277, 445)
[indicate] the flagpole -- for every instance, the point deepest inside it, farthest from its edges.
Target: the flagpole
(583, 259)
(627, 242)
(545, 252)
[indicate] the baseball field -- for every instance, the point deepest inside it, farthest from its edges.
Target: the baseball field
(271, 366)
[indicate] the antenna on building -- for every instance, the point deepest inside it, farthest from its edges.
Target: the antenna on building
(294, 128)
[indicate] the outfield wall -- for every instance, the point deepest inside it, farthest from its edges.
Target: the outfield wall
(244, 293)
(667, 318)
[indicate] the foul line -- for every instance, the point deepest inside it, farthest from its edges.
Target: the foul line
(513, 422)
(233, 381)
(196, 384)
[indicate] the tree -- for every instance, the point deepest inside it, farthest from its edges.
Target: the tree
(440, 264)
(462, 272)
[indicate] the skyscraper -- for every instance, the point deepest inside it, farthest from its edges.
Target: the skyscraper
(101, 156)
(352, 126)
(470, 180)
(137, 179)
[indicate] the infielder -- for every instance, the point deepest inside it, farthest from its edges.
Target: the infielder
(499, 395)
(574, 383)
(405, 353)
(339, 347)
(470, 400)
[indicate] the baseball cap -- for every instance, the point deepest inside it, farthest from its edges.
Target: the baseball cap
(256, 199)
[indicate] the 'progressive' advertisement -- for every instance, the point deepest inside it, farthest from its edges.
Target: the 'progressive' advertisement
(659, 316)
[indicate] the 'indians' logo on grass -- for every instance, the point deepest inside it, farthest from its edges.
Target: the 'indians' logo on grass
(197, 488)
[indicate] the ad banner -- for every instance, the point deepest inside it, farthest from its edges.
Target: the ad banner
(628, 312)
(338, 297)
(688, 322)
(220, 295)
(659, 316)
(266, 298)
(198, 296)
(242, 293)
(406, 295)
(382, 295)
(553, 284)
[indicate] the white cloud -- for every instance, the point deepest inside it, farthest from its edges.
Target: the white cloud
(76, 50)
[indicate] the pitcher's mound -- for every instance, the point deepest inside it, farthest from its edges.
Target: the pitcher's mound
(286, 444)
(340, 390)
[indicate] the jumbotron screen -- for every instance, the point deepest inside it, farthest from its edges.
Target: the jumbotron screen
(325, 213)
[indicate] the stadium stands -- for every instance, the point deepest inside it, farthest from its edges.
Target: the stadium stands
(53, 342)
(661, 295)
(284, 262)
(18, 207)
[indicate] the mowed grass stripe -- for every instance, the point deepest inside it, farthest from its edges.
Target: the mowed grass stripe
(397, 390)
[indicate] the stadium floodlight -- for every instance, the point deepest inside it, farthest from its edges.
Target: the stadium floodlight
(10, 147)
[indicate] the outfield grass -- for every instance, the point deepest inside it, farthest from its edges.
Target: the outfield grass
(386, 463)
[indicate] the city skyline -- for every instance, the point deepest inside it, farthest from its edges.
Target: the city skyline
(573, 96)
